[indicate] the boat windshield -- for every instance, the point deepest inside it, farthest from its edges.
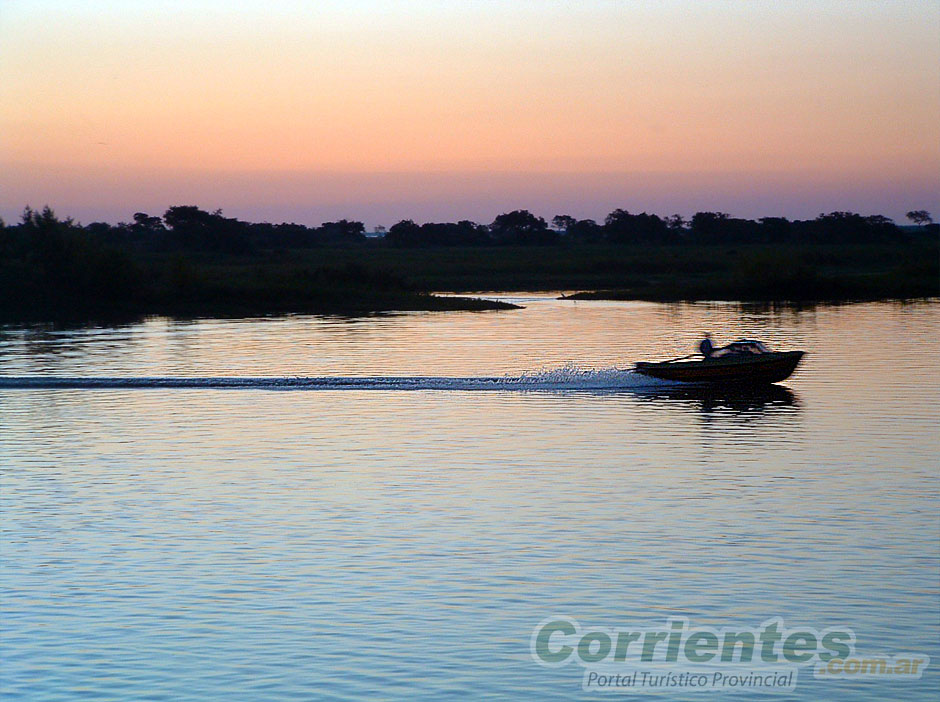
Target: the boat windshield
(745, 346)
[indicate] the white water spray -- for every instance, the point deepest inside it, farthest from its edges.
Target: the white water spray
(568, 377)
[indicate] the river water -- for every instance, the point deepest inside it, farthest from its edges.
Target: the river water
(281, 542)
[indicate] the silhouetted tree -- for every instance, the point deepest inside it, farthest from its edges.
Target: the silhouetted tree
(404, 234)
(709, 226)
(103, 231)
(845, 227)
(562, 222)
(676, 223)
(60, 264)
(196, 228)
(286, 235)
(147, 225)
(775, 229)
(464, 233)
(342, 232)
(585, 231)
(920, 217)
(522, 227)
(621, 227)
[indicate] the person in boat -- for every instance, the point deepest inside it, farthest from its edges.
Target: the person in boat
(744, 347)
(706, 348)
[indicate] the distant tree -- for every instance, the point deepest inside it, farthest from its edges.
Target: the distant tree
(617, 219)
(403, 234)
(709, 226)
(63, 264)
(52, 239)
(585, 231)
(563, 223)
(676, 223)
(196, 228)
(145, 224)
(467, 233)
(283, 235)
(849, 227)
(706, 219)
(343, 231)
(775, 229)
(101, 230)
(44, 220)
(623, 228)
(463, 233)
(879, 221)
(188, 217)
(920, 217)
(522, 227)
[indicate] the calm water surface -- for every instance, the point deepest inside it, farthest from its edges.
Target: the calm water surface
(199, 544)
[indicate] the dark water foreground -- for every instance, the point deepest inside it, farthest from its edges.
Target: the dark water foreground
(359, 543)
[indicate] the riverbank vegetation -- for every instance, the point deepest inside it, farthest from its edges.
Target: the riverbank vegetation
(194, 262)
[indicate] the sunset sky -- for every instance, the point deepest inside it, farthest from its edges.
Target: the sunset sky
(380, 110)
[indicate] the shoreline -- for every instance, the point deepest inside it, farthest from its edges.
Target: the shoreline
(81, 281)
(447, 302)
(123, 313)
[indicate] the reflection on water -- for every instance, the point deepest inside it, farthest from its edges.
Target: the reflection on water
(735, 401)
(244, 544)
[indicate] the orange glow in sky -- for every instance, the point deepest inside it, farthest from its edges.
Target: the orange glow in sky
(268, 109)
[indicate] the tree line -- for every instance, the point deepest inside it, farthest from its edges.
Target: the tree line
(52, 268)
(192, 261)
(187, 227)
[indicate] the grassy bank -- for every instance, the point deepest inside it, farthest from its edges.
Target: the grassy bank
(747, 272)
(190, 286)
(54, 270)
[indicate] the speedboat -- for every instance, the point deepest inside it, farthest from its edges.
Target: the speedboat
(744, 362)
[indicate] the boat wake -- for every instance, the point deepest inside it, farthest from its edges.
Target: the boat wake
(564, 378)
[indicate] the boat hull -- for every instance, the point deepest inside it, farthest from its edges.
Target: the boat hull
(746, 369)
